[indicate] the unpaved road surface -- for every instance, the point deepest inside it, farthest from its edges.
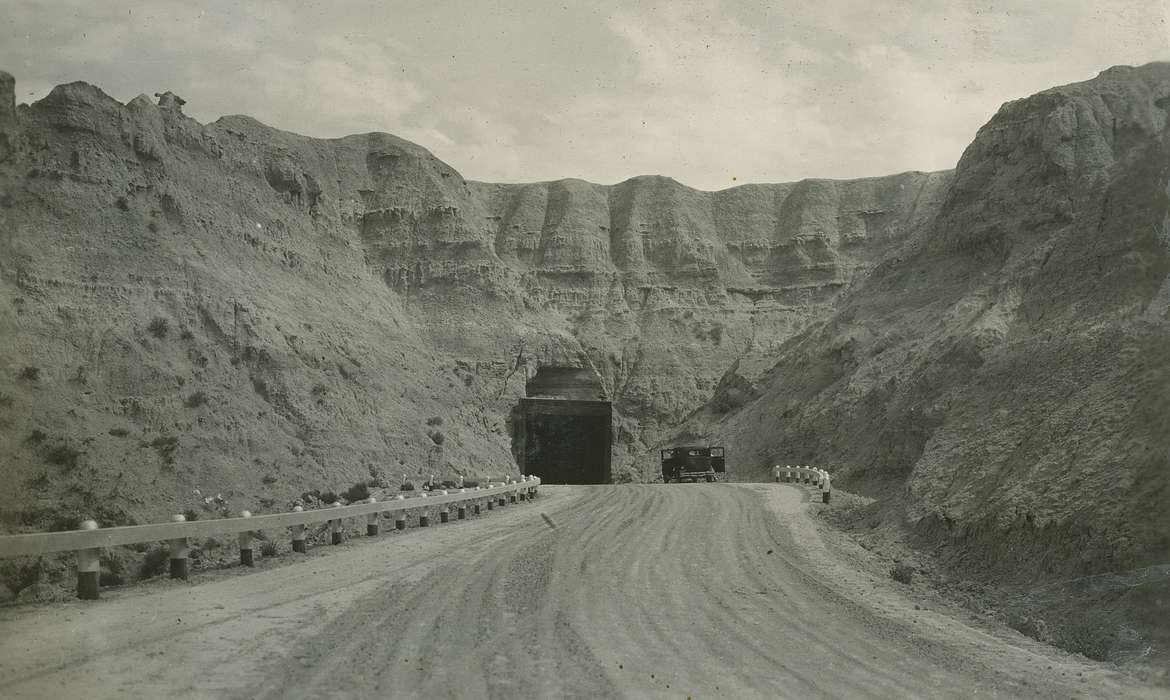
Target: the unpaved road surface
(704, 590)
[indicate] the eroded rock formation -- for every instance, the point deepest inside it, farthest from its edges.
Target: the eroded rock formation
(236, 308)
(1002, 386)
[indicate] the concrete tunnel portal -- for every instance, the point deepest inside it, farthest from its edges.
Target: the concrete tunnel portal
(563, 429)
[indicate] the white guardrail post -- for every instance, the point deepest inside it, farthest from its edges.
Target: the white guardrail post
(335, 527)
(88, 568)
(814, 476)
(246, 558)
(179, 550)
(400, 516)
(298, 533)
(372, 520)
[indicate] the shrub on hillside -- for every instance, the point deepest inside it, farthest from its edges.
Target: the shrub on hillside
(902, 573)
(165, 445)
(29, 373)
(407, 486)
(159, 327)
(358, 492)
(154, 563)
(328, 497)
(195, 400)
(437, 436)
(63, 456)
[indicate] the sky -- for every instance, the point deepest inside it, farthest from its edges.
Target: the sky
(712, 93)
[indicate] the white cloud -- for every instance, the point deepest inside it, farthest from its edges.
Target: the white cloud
(701, 91)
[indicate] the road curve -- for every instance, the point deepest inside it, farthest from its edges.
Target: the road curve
(705, 590)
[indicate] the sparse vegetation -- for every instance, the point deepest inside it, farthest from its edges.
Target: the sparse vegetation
(36, 437)
(269, 549)
(65, 523)
(407, 486)
(186, 334)
(18, 575)
(902, 573)
(5, 400)
(119, 432)
(328, 497)
(30, 373)
(158, 327)
(437, 436)
(165, 445)
(195, 400)
(319, 389)
(268, 479)
(154, 563)
(111, 571)
(358, 492)
(63, 455)
(435, 420)
(191, 515)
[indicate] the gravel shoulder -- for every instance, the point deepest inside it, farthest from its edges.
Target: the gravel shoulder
(704, 590)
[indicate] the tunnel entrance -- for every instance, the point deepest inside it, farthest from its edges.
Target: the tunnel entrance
(563, 430)
(564, 441)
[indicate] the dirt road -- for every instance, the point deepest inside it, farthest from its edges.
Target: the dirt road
(705, 590)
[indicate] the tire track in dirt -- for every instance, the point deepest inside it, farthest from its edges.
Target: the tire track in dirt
(663, 591)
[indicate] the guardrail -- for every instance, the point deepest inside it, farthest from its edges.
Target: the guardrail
(87, 541)
(808, 475)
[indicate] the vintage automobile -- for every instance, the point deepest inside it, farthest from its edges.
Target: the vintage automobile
(691, 463)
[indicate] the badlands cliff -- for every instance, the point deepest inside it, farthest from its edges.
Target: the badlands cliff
(1001, 387)
(240, 310)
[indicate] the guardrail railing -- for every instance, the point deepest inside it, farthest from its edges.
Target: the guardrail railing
(808, 475)
(88, 541)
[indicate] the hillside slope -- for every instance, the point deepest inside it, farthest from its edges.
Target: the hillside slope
(1003, 387)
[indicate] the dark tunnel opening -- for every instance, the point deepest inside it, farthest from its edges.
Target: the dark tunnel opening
(565, 442)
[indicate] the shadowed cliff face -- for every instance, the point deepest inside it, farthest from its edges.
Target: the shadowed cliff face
(1004, 382)
(233, 309)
